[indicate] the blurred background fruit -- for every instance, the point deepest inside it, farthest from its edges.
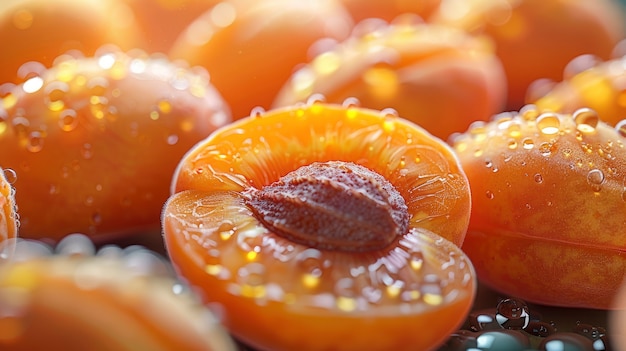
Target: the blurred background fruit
(250, 47)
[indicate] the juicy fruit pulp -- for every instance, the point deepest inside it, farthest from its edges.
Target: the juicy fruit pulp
(548, 201)
(370, 299)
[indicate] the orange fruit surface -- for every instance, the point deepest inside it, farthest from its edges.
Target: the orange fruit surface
(549, 209)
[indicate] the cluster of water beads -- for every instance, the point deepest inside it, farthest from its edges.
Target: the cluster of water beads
(265, 267)
(513, 326)
(78, 89)
(545, 131)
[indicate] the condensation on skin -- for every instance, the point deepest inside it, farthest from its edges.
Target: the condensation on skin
(532, 131)
(413, 271)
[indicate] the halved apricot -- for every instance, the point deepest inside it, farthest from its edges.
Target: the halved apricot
(251, 47)
(549, 206)
(588, 82)
(537, 38)
(94, 140)
(439, 77)
(40, 30)
(9, 221)
(74, 299)
(323, 226)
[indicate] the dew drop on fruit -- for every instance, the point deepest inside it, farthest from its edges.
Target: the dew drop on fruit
(310, 263)
(345, 292)
(54, 94)
(595, 178)
(489, 194)
(68, 120)
(586, 120)
(548, 123)
(75, 245)
(620, 127)
(30, 69)
(251, 278)
(172, 139)
(538, 178)
(528, 144)
(35, 141)
(10, 175)
(257, 111)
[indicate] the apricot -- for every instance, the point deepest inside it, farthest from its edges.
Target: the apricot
(38, 31)
(548, 206)
(76, 299)
(94, 141)
(162, 21)
(251, 47)
(438, 77)
(588, 82)
(536, 38)
(9, 221)
(389, 9)
(323, 226)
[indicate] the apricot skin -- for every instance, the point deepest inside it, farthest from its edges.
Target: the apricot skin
(94, 148)
(548, 218)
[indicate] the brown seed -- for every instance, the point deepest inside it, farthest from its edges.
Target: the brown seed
(333, 205)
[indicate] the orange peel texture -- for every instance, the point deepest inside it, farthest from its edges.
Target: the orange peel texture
(279, 294)
(94, 140)
(549, 207)
(113, 300)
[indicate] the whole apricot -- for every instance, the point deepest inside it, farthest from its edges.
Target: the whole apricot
(439, 77)
(94, 141)
(40, 30)
(536, 38)
(251, 47)
(588, 82)
(322, 226)
(549, 206)
(72, 298)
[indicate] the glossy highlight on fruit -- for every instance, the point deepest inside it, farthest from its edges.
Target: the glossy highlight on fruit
(251, 47)
(588, 82)
(9, 220)
(549, 206)
(535, 39)
(306, 162)
(438, 77)
(74, 298)
(35, 32)
(94, 140)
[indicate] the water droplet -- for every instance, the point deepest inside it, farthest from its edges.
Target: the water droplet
(96, 218)
(620, 127)
(512, 144)
(489, 194)
(172, 139)
(10, 175)
(346, 294)
(257, 111)
(595, 178)
(35, 141)
(528, 143)
(538, 178)
(512, 314)
(548, 123)
(68, 120)
(251, 278)
(55, 93)
(546, 148)
(586, 120)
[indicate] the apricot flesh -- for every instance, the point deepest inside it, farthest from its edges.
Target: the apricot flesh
(9, 222)
(277, 294)
(94, 141)
(439, 77)
(548, 206)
